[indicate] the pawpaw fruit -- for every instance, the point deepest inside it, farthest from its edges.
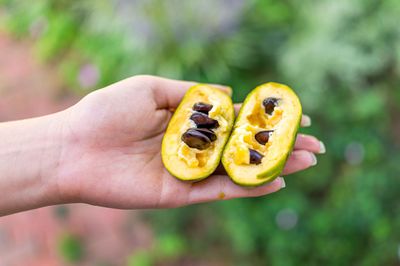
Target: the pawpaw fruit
(263, 135)
(197, 133)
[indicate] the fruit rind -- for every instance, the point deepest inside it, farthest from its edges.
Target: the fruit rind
(193, 174)
(273, 172)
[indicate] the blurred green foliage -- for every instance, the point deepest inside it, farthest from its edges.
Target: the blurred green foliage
(70, 248)
(140, 258)
(343, 59)
(167, 248)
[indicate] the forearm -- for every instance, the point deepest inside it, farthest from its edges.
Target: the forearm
(29, 152)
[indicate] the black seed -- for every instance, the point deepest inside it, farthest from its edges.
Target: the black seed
(270, 104)
(209, 133)
(203, 121)
(255, 157)
(202, 107)
(262, 137)
(196, 139)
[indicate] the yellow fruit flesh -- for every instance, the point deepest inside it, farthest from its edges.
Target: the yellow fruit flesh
(189, 163)
(283, 121)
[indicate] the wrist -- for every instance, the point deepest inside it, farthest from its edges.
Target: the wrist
(52, 146)
(29, 159)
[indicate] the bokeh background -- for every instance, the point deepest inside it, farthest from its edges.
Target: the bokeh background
(343, 59)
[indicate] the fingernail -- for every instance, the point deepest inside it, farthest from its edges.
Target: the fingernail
(228, 90)
(322, 148)
(306, 121)
(283, 183)
(313, 159)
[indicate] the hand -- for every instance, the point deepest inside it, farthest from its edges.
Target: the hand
(111, 144)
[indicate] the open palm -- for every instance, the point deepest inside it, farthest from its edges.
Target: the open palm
(111, 153)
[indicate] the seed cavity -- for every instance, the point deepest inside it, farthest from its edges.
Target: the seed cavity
(195, 139)
(270, 104)
(262, 137)
(203, 121)
(202, 136)
(255, 157)
(202, 107)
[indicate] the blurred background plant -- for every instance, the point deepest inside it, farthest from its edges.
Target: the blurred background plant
(343, 59)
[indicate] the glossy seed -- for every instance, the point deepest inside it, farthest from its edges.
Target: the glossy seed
(195, 139)
(255, 157)
(209, 133)
(203, 121)
(202, 107)
(262, 137)
(270, 104)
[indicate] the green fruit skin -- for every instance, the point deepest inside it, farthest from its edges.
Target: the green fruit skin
(229, 129)
(270, 174)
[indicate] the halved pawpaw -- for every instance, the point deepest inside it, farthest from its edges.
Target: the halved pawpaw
(197, 133)
(263, 135)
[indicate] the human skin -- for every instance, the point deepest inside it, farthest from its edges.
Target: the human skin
(105, 151)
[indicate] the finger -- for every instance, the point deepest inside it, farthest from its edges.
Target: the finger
(309, 143)
(220, 187)
(299, 160)
(168, 93)
(305, 121)
(224, 88)
(237, 107)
